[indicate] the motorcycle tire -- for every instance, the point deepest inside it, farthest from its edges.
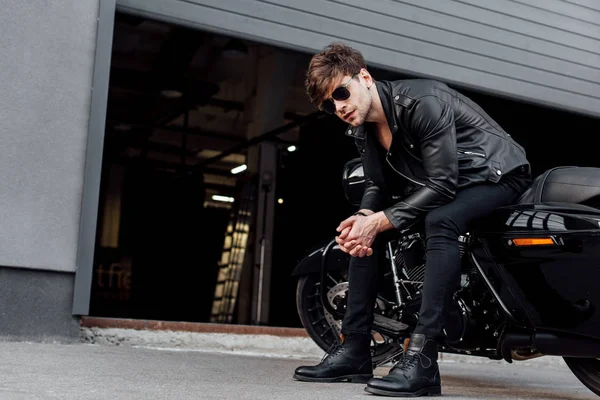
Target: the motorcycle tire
(587, 370)
(312, 316)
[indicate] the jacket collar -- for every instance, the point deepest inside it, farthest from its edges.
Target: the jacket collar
(384, 88)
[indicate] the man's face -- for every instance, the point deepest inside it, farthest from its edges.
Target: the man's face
(354, 109)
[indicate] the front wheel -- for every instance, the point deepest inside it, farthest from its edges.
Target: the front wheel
(587, 370)
(323, 328)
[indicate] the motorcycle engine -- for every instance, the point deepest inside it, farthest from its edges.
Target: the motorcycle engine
(410, 255)
(461, 330)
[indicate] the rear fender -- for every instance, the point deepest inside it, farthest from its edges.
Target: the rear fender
(311, 263)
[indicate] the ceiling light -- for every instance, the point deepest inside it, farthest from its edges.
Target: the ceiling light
(239, 169)
(123, 127)
(171, 94)
(291, 148)
(226, 199)
(235, 49)
(280, 201)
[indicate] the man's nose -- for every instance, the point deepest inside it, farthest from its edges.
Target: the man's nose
(339, 105)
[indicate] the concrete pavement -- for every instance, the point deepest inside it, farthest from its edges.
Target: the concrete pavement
(84, 371)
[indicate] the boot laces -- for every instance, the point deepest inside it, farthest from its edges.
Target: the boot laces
(411, 359)
(334, 350)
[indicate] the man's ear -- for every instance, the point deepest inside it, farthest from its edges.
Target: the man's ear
(366, 77)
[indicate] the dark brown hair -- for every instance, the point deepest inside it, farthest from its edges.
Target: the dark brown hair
(336, 59)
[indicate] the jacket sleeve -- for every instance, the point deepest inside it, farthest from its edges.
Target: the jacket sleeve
(372, 197)
(431, 121)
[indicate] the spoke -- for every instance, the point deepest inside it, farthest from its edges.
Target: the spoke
(334, 281)
(316, 291)
(326, 331)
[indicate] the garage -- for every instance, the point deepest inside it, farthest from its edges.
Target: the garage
(170, 166)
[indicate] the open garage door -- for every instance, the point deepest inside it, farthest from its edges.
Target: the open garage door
(544, 51)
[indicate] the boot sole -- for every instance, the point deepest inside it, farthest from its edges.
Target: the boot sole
(428, 391)
(359, 378)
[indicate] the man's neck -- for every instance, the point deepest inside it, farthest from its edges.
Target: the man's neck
(376, 114)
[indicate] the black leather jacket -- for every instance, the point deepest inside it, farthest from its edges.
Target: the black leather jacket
(441, 142)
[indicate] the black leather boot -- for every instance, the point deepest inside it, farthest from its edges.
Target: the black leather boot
(417, 374)
(350, 361)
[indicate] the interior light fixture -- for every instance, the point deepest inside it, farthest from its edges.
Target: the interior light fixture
(235, 49)
(226, 199)
(280, 201)
(171, 94)
(239, 169)
(292, 148)
(123, 127)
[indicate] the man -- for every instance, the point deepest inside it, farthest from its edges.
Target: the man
(429, 154)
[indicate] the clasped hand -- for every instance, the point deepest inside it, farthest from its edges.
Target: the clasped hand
(357, 234)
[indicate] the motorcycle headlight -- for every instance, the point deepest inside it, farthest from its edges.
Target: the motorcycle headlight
(354, 181)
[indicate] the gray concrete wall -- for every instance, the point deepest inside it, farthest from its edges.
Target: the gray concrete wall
(36, 306)
(544, 51)
(46, 66)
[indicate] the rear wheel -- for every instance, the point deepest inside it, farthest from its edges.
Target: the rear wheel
(323, 328)
(587, 370)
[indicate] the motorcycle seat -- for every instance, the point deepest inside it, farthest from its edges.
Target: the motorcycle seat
(566, 184)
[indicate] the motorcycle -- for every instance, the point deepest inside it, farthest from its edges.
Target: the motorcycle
(529, 280)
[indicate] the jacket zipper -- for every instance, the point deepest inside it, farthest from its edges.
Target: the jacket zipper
(471, 153)
(401, 174)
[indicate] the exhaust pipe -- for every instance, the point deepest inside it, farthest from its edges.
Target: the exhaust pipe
(520, 356)
(550, 344)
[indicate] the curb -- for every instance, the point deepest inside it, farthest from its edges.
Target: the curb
(264, 345)
(143, 324)
(252, 344)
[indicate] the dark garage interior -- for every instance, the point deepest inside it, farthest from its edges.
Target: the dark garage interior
(178, 99)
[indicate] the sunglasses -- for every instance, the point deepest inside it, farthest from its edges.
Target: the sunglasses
(341, 93)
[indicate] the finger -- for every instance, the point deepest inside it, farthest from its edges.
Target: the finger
(345, 250)
(369, 251)
(350, 244)
(345, 232)
(357, 249)
(363, 251)
(345, 223)
(354, 251)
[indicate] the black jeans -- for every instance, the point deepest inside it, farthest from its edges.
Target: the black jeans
(443, 226)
